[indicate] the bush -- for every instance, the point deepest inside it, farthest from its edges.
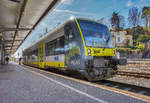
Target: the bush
(143, 38)
(140, 46)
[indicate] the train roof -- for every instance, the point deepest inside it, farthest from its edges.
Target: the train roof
(47, 34)
(56, 29)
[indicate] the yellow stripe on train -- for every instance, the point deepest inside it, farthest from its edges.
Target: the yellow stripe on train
(55, 64)
(100, 51)
(48, 64)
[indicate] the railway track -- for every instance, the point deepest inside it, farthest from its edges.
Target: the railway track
(126, 87)
(134, 74)
(138, 61)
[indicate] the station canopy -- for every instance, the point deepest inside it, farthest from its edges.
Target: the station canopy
(19, 17)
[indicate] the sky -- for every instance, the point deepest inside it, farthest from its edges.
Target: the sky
(91, 9)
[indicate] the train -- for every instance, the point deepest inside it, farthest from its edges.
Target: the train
(79, 45)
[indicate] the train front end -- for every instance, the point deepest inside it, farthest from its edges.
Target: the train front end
(100, 58)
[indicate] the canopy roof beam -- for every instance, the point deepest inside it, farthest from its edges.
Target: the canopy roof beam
(14, 29)
(19, 20)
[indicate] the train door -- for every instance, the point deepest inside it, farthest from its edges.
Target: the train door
(41, 55)
(68, 43)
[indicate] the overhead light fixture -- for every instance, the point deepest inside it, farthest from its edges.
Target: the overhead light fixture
(15, 1)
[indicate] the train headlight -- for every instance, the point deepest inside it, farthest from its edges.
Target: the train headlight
(89, 54)
(88, 50)
(114, 53)
(118, 55)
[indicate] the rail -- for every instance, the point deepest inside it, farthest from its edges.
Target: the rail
(138, 61)
(127, 87)
(134, 74)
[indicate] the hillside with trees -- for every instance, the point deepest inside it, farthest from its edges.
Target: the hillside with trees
(139, 28)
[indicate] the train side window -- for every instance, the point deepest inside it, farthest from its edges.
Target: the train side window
(47, 51)
(55, 47)
(62, 44)
(59, 46)
(56, 50)
(36, 52)
(49, 48)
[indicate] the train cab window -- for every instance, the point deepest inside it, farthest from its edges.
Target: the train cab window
(68, 34)
(68, 37)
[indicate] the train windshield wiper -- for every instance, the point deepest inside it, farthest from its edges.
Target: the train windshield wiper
(107, 40)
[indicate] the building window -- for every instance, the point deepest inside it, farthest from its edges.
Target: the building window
(118, 39)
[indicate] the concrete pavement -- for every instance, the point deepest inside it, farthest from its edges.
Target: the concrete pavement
(19, 84)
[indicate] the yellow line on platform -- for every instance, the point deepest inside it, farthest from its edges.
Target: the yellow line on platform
(127, 93)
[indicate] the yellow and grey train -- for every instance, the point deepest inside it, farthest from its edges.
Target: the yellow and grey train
(79, 45)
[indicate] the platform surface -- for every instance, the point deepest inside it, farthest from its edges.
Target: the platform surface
(19, 84)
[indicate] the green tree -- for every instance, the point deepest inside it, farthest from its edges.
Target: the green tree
(134, 19)
(146, 15)
(122, 21)
(134, 16)
(115, 21)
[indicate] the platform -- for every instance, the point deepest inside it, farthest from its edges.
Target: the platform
(19, 84)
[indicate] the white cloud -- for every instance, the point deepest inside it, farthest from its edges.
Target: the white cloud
(142, 0)
(67, 2)
(145, 0)
(74, 12)
(142, 3)
(44, 25)
(129, 4)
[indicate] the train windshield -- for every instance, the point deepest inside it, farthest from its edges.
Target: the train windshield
(95, 34)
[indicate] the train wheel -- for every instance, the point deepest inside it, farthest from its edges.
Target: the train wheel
(89, 75)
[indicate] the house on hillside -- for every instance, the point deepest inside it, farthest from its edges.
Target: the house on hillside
(121, 38)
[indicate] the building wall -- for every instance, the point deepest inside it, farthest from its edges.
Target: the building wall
(129, 37)
(121, 38)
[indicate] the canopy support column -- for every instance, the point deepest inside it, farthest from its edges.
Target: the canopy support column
(2, 53)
